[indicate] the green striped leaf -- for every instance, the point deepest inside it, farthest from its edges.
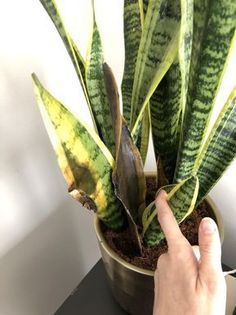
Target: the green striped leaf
(73, 51)
(215, 43)
(79, 58)
(200, 19)
(97, 91)
(165, 117)
(220, 148)
(132, 36)
(53, 12)
(169, 99)
(185, 48)
(150, 213)
(84, 160)
(181, 198)
(201, 10)
(128, 175)
(143, 136)
(133, 25)
(141, 139)
(145, 6)
(156, 53)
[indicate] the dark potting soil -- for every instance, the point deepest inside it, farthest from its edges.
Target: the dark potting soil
(122, 244)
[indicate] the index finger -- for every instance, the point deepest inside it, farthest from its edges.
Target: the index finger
(168, 222)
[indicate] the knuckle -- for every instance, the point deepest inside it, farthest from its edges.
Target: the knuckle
(179, 252)
(163, 215)
(214, 282)
(206, 249)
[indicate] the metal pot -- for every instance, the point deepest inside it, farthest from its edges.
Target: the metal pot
(133, 287)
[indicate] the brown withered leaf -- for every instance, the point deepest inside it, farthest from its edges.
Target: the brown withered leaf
(83, 198)
(128, 175)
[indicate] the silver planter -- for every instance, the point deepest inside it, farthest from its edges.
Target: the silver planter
(133, 287)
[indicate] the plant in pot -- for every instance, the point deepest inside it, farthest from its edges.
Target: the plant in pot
(175, 55)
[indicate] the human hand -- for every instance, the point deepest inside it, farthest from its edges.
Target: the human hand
(188, 279)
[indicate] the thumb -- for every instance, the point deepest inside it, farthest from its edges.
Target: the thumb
(210, 248)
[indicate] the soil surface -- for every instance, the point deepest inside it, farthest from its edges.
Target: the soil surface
(121, 243)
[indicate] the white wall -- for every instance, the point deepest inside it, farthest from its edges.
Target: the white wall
(47, 243)
(46, 239)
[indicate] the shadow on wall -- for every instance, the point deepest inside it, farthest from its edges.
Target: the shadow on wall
(29, 172)
(40, 272)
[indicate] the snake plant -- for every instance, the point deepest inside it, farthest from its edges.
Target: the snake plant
(176, 52)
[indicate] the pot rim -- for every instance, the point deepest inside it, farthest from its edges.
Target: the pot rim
(102, 241)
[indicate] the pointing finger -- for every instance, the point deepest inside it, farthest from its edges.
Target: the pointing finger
(168, 222)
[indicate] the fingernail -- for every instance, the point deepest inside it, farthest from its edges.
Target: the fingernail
(208, 226)
(161, 192)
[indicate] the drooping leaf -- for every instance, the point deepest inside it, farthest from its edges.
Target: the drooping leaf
(128, 175)
(97, 91)
(181, 198)
(156, 53)
(212, 41)
(220, 148)
(83, 158)
(73, 51)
